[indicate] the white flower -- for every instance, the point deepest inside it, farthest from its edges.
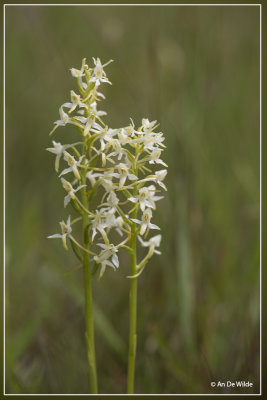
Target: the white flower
(107, 252)
(146, 197)
(71, 191)
(123, 173)
(158, 178)
(91, 175)
(58, 150)
(98, 223)
(118, 151)
(81, 119)
(101, 134)
(98, 94)
(125, 134)
(112, 199)
(118, 222)
(76, 73)
(152, 242)
(66, 231)
(111, 221)
(93, 109)
(145, 222)
(93, 115)
(99, 74)
(64, 118)
(73, 164)
(76, 101)
(151, 140)
(154, 157)
(89, 124)
(106, 181)
(148, 126)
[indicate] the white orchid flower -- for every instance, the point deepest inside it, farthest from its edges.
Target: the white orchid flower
(124, 136)
(112, 199)
(98, 224)
(123, 173)
(152, 242)
(91, 175)
(73, 165)
(58, 150)
(66, 232)
(102, 133)
(93, 109)
(118, 151)
(76, 101)
(151, 141)
(99, 74)
(111, 221)
(81, 119)
(106, 181)
(145, 222)
(79, 73)
(154, 157)
(147, 125)
(71, 191)
(146, 197)
(158, 177)
(108, 251)
(64, 118)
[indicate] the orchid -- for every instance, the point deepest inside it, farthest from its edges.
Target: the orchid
(151, 243)
(146, 197)
(71, 191)
(154, 157)
(76, 101)
(122, 174)
(145, 221)
(99, 75)
(73, 165)
(58, 150)
(65, 232)
(98, 224)
(113, 180)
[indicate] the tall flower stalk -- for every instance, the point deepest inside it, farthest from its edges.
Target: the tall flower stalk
(112, 182)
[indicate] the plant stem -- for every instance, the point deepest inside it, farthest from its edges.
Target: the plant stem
(89, 317)
(133, 311)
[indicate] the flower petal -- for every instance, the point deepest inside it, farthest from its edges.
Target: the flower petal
(115, 260)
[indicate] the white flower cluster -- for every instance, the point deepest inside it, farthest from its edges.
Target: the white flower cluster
(114, 164)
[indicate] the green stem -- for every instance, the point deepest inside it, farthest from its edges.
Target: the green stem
(133, 310)
(89, 318)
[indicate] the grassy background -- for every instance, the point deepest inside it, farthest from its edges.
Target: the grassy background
(195, 70)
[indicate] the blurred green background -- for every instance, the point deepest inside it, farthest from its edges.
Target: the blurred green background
(195, 70)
